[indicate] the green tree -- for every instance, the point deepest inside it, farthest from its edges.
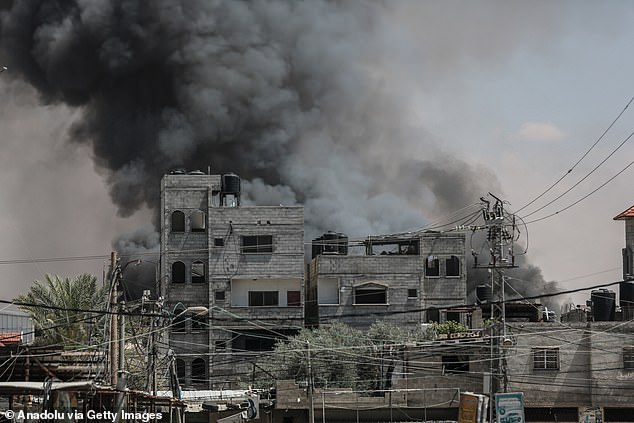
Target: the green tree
(343, 357)
(55, 306)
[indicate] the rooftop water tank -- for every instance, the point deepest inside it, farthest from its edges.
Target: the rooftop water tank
(230, 183)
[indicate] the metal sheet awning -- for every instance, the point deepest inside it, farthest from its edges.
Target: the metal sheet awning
(33, 387)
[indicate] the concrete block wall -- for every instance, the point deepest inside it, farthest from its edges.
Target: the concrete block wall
(399, 273)
(219, 248)
(567, 386)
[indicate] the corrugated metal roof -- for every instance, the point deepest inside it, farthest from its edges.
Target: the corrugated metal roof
(10, 338)
(627, 214)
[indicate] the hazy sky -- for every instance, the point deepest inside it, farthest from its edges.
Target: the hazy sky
(518, 89)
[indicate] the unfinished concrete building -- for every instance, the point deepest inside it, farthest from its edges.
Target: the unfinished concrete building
(243, 264)
(407, 279)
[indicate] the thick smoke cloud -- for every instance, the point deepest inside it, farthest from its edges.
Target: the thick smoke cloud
(295, 97)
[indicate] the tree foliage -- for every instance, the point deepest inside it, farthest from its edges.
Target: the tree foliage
(55, 306)
(449, 327)
(343, 357)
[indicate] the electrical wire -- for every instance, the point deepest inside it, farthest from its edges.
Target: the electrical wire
(582, 157)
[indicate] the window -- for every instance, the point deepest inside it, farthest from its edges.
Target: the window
(198, 221)
(219, 242)
(219, 295)
(254, 244)
(452, 266)
(452, 364)
(412, 293)
(293, 298)
(198, 272)
(178, 272)
(199, 371)
(628, 358)
(221, 345)
(199, 322)
(370, 295)
(432, 266)
(178, 221)
(545, 358)
(180, 369)
(263, 298)
(433, 315)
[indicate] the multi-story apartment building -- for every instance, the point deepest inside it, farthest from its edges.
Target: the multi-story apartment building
(244, 264)
(408, 279)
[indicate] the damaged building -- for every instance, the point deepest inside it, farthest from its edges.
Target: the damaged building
(243, 265)
(408, 279)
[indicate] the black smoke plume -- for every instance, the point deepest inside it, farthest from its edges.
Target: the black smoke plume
(294, 96)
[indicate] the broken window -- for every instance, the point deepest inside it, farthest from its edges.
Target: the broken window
(452, 266)
(254, 244)
(198, 272)
(432, 266)
(370, 295)
(293, 298)
(263, 298)
(198, 221)
(178, 272)
(178, 221)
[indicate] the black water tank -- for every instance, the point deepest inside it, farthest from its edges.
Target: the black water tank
(483, 294)
(603, 305)
(330, 243)
(230, 183)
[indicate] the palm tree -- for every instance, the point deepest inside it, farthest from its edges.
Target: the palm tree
(56, 307)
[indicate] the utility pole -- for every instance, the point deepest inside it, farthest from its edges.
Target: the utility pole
(114, 332)
(501, 230)
(311, 405)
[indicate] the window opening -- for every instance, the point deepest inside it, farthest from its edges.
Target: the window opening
(178, 221)
(198, 272)
(199, 371)
(198, 221)
(370, 295)
(452, 266)
(178, 272)
(263, 298)
(254, 244)
(432, 267)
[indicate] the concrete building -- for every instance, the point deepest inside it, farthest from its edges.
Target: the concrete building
(565, 371)
(626, 291)
(402, 279)
(245, 264)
